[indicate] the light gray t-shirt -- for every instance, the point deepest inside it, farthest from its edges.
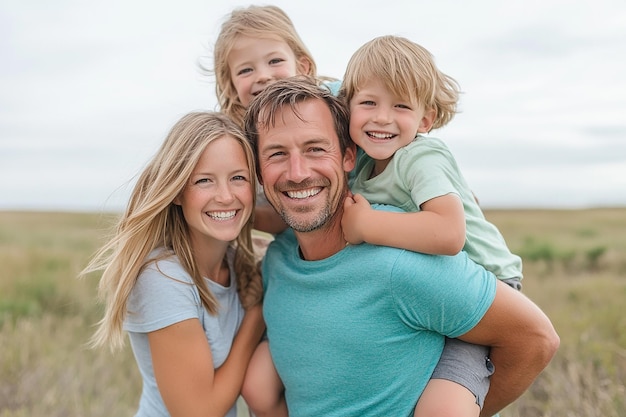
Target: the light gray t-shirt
(165, 294)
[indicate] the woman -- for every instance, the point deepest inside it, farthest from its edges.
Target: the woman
(180, 275)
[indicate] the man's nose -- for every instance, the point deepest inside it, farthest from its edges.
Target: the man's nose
(298, 168)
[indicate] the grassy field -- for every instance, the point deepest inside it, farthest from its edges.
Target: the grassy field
(575, 270)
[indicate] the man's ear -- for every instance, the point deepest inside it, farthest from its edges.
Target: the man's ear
(349, 158)
(426, 124)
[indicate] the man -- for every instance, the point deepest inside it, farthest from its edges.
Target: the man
(358, 330)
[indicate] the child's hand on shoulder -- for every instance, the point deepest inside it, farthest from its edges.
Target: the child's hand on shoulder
(354, 221)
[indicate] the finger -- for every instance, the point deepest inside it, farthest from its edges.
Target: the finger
(358, 198)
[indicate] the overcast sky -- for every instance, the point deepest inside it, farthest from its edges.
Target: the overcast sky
(89, 90)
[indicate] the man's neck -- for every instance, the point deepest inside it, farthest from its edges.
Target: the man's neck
(322, 243)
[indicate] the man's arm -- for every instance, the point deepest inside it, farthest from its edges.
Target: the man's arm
(522, 340)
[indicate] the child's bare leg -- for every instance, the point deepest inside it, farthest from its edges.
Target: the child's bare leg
(443, 398)
(459, 383)
(262, 389)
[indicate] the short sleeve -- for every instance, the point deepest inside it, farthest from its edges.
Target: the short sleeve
(163, 295)
(428, 170)
(450, 298)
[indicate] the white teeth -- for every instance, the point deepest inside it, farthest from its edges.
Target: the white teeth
(304, 193)
(378, 135)
(222, 215)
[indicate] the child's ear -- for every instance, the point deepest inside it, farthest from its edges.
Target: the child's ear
(304, 66)
(426, 124)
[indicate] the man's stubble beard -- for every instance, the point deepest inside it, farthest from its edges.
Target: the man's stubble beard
(305, 226)
(324, 216)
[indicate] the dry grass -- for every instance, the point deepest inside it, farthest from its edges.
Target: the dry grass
(575, 270)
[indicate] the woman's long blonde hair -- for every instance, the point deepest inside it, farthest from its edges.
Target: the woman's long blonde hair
(152, 220)
(255, 22)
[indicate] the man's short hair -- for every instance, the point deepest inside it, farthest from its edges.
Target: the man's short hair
(289, 92)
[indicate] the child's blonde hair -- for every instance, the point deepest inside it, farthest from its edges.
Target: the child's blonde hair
(255, 22)
(407, 70)
(152, 220)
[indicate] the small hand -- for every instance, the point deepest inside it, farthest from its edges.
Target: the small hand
(354, 220)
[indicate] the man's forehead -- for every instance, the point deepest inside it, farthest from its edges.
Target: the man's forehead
(304, 117)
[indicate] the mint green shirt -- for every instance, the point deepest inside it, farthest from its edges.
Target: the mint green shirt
(425, 169)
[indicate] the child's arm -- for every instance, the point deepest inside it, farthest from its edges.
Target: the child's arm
(438, 229)
(267, 220)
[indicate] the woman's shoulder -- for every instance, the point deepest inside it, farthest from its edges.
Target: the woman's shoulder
(163, 263)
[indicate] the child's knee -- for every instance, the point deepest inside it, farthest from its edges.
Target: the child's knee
(262, 388)
(443, 398)
(263, 400)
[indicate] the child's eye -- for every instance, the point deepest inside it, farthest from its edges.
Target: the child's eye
(202, 181)
(368, 103)
(244, 71)
(276, 61)
(403, 106)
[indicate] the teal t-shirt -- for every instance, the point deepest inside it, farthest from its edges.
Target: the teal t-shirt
(359, 333)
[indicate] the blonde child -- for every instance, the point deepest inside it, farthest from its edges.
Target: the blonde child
(256, 46)
(396, 94)
(179, 274)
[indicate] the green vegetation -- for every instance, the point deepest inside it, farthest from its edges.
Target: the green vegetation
(574, 268)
